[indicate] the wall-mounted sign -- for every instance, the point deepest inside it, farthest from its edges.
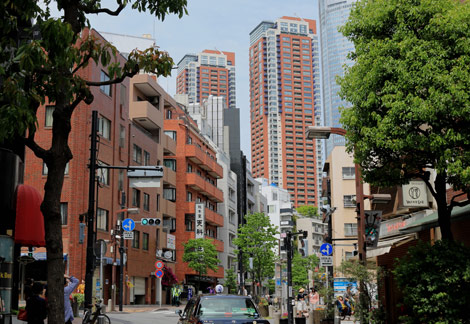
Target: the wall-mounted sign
(415, 194)
(170, 241)
(200, 220)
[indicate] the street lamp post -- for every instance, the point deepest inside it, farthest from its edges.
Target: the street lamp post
(320, 132)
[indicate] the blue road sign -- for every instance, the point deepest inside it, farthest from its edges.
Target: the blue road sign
(326, 249)
(128, 224)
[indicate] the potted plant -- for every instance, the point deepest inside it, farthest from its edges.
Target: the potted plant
(263, 305)
(77, 302)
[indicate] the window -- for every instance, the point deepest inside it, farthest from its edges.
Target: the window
(123, 94)
(64, 212)
(190, 168)
(348, 172)
(102, 219)
(158, 202)
(349, 200)
(189, 196)
(122, 136)
(146, 158)
(105, 88)
(171, 134)
(169, 194)
(170, 164)
(104, 127)
(350, 229)
(145, 241)
(103, 174)
(49, 118)
(121, 180)
(137, 154)
(135, 197)
(146, 202)
(136, 240)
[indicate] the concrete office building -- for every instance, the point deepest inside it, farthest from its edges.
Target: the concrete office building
(339, 169)
(284, 99)
(210, 72)
(334, 50)
(315, 229)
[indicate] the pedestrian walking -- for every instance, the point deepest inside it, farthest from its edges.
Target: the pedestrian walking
(36, 308)
(313, 299)
(70, 284)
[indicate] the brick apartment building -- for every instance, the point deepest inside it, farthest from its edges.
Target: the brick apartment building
(197, 173)
(131, 118)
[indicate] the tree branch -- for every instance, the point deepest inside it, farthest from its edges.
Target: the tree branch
(90, 10)
(33, 146)
(454, 203)
(425, 178)
(129, 74)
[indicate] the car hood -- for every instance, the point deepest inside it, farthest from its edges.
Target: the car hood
(235, 321)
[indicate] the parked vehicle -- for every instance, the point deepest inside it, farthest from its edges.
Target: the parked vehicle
(220, 309)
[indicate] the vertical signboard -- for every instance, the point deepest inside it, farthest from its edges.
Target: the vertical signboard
(200, 220)
(170, 242)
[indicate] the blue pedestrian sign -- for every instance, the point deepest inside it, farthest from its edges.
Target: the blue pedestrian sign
(128, 224)
(326, 249)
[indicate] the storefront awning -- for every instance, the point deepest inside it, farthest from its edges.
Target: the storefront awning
(431, 221)
(29, 224)
(384, 246)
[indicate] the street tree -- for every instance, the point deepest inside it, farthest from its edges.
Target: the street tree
(230, 280)
(43, 63)
(256, 240)
(300, 269)
(308, 211)
(201, 256)
(409, 93)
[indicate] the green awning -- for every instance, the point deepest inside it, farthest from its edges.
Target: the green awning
(430, 221)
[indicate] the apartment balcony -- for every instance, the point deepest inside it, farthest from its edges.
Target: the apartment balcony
(197, 183)
(169, 176)
(212, 217)
(146, 115)
(198, 156)
(219, 245)
(169, 145)
(168, 208)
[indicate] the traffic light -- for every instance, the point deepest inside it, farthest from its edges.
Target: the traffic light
(304, 247)
(373, 219)
(150, 221)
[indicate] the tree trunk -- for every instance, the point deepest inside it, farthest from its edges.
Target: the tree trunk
(443, 211)
(59, 156)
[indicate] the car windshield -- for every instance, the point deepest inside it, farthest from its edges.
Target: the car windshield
(227, 307)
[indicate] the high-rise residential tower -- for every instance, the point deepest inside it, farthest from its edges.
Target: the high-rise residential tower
(284, 99)
(210, 72)
(334, 50)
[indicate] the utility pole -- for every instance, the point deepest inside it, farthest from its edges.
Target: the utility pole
(90, 255)
(290, 310)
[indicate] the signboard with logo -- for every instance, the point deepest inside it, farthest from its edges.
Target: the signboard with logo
(415, 194)
(392, 226)
(170, 241)
(200, 220)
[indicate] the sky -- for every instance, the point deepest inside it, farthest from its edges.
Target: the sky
(210, 24)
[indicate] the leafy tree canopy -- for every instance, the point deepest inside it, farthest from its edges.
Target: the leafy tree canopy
(308, 211)
(300, 268)
(409, 91)
(230, 280)
(440, 293)
(256, 239)
(201, 255)
(41, 61)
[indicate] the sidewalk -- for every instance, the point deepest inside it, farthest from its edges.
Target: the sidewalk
(126, 309)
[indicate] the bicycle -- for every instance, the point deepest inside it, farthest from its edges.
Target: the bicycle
(96, 317)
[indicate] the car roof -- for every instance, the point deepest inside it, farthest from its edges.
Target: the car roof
(223, 295)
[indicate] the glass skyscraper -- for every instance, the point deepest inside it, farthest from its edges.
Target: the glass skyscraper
(334, 50)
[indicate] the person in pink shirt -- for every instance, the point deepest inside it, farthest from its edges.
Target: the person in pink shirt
(313, 299)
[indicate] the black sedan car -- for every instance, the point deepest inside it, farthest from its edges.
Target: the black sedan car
(220, 309)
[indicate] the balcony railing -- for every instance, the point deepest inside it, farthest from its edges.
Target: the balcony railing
(198, 183)
(204, 160)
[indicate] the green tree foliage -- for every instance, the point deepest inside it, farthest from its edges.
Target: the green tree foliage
(308, 211)
(256, 240)
(230, 280)
(201, 255)
(300, 268)
(370, 277)
(435, 281)
(46, 61)
(409, 90)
